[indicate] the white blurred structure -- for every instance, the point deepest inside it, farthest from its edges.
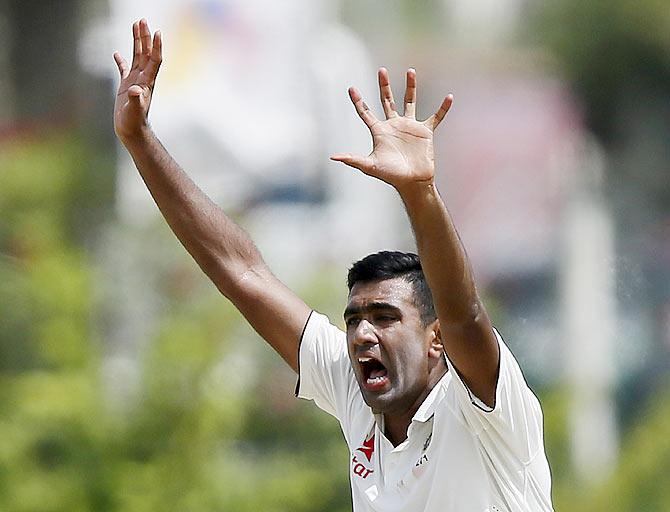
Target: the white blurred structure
(251, 100)
(590, 320)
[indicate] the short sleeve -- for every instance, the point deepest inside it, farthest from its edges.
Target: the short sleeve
(325, 373)
(515, 420)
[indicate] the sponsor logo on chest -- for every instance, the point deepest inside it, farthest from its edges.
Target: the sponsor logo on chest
(360, 463)
(361, 459)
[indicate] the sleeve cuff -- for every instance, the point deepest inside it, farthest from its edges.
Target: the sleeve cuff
(302, 336)
(471, 397)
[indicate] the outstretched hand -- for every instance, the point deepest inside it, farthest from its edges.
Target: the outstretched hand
(402, 147)
(133, 99)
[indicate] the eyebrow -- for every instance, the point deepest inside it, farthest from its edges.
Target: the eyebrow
(371, 306)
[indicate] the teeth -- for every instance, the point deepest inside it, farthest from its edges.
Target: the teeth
(364, 359)
(375, 380)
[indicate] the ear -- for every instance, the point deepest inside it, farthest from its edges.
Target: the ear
(436, 348)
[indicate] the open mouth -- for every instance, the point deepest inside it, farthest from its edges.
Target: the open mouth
(375, 375)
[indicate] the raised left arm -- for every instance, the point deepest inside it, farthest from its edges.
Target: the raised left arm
(403, 157)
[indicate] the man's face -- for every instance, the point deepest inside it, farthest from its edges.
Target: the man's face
(388, 345)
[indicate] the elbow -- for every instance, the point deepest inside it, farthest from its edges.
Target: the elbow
(464, 314)
(473, 317)
(241, 280)
(231, 273)
(477, 312)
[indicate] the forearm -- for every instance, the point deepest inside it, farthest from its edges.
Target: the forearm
(465, 327)
(466, 331)
(443, 257)
(221, 248)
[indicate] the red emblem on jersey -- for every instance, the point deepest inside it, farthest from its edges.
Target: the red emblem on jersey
(368, 447)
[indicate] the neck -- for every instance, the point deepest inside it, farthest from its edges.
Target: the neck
(395, 427)
(397, 424)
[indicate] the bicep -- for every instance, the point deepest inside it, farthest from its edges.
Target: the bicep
(275, 312)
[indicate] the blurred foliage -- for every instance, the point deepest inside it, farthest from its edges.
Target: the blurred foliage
(211, 428)
(641, 480)
(214, 425)
(615, 53)
(46, 279)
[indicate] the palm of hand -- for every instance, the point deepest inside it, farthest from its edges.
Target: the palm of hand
(133, 98)
(122, 105)
(402, 150)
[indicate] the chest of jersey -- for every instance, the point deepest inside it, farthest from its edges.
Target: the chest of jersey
(438, 467)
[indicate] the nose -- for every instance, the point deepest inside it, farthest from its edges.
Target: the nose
(365, 334)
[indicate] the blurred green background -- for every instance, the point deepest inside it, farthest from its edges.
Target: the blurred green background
(204, 417)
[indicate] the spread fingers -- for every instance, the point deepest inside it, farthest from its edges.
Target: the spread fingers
(385, 94)
(361, 107)
(410, 94)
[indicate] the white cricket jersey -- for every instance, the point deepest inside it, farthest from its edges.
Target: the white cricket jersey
(459, 455)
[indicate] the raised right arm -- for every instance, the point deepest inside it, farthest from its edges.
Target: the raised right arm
(221, 248)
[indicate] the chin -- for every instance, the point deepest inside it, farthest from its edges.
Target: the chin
(379, 403)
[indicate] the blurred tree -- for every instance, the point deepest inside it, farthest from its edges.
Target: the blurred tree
(47, 354)
(43, 51)
(214, 427)
(46, 277)
(615, 53)
(641, 480)
(46, 87)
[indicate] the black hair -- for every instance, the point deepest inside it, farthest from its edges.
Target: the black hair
(390, 264)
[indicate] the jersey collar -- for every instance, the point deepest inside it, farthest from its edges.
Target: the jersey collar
(427, 409)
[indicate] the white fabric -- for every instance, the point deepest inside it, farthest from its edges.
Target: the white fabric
(457, 456)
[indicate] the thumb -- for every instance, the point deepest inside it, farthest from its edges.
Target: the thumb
(121, 64)
(136, 97)
(362, 163)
